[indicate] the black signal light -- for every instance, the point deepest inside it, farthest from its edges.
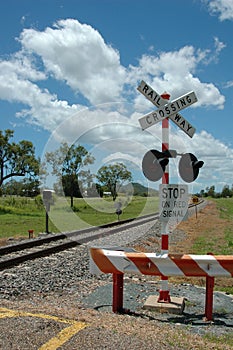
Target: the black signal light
(189, 167)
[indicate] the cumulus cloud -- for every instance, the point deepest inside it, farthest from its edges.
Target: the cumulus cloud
(18, 83)
(223, 8)
(177, 70)
(217, 157)
(77, 54)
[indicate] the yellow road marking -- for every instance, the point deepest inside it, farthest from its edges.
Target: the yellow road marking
(12, 313)
(61, 338)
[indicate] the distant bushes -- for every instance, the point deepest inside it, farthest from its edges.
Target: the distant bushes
(21, 205)
(6, 210)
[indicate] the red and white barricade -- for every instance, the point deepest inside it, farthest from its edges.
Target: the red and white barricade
(119, 262)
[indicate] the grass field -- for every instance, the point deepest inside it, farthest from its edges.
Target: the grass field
(18, 215)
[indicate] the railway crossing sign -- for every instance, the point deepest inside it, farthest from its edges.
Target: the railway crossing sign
(166, 110)
(151, 94)
(173, 202)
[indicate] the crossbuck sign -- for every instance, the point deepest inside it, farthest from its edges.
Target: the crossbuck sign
(166, 110)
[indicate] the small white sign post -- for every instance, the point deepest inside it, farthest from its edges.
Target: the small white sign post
(47, 198)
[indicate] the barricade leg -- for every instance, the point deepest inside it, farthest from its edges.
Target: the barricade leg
(117, 297)
(209, 298)
(164, 296)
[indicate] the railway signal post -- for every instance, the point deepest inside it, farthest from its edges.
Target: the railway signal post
(153, 160)
(164, 291)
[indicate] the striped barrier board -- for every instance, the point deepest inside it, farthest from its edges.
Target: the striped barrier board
(119, 261)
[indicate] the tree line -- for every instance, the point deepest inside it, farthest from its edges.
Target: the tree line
(210, 192)
(68, 165)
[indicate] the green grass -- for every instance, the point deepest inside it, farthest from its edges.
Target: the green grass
(96, 211)
(211, 243)
(225, 205)
(13, 225)
(18, 215)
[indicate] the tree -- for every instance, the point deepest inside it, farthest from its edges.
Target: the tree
(113, 176)
(16, 159)
(202, 193)
(226, 192)
(71, 186)
(67, 163)
(211, 191)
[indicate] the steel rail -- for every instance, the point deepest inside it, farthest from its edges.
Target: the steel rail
(13, 261)
(58, 236)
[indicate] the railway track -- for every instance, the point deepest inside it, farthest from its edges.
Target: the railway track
(15, 254)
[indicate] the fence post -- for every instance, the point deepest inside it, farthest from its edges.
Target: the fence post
(117, 296)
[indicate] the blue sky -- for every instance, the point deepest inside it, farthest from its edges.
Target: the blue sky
(70, 71)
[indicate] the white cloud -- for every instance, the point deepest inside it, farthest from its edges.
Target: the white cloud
(123, 157)
(219, 45)
(229, 84)
(41, 107)
(16, 79)
(77, 54)
(223, 8)
(217, 157)
(177, 70)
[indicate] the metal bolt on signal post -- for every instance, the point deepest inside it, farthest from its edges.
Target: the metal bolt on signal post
(164, 291)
